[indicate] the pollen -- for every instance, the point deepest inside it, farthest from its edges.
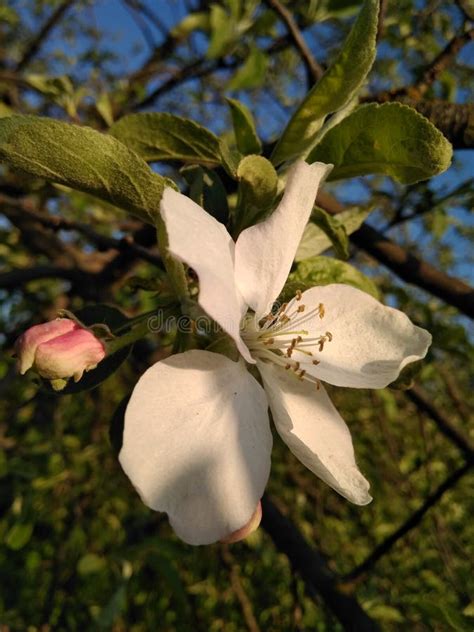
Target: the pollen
(290, 337)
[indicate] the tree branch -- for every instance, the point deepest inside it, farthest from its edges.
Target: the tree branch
(42, 34)
(423, 403)
(408, 525)
(405, 265)
(313, 68)
(314, 571)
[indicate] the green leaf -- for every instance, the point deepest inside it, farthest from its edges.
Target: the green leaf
(324, 270)
(163, 136)
(83, 159)
(115, 607)
(252, 72)
(19, 535)
(114, 319)
(333, 229)
(315, 241)
(223, 32)
(391, 139)
(230, 158)
(90, 563)
(246, 136)
(198, 21)
(207, 190)
(258, 184)
(339, 84)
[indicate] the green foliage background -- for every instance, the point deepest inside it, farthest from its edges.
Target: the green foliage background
(78, 550)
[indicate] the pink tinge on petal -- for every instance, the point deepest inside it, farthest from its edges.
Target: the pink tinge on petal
(28, 342)
(251, 526)
(69, 355)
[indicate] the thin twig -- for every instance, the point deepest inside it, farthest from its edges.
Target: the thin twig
(412, 522)
(423, 403)
(313, 569)
(407, 266)
(245, 603)
(42, 34)
(313, 68)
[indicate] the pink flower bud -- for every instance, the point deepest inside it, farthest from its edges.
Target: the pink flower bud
(59, 349)
(247, 529)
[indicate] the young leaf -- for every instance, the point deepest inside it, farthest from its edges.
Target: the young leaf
(392, 139)
(246, 136)
(207, 190)
(252, 73)
(315, 241)
(324, 270)
(258, 183)
(334, 230)
(223, 32)
(83, 159)
(337, 87)
(163, 136)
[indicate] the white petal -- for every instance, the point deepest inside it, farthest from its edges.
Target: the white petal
(371, 343)
(264, 252)
(202, 242)
(197, 444)
(314, 431)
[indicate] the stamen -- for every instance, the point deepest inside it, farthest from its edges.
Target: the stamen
(298, 295)
(301, 308)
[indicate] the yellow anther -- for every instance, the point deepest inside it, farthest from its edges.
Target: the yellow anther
(282, 308)
(298, 295)
(301, 308)
(321, 310)
(284, 319)
(329, 336)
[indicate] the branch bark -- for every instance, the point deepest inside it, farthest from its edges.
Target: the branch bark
(405, 265)
(314, 570)
(42, 34)
(412, 522)
(314, 70)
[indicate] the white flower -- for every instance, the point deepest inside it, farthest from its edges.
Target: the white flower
(197, 439)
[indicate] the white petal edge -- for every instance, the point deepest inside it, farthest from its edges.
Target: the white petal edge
(264, 252)
(197, 444)
(204, 244)
(371, 343)
(311, 427)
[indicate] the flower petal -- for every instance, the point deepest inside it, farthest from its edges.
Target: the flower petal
(69, 355)
(264, 252)
(203, 243)
(197, 444)
(371, 343)
(28, 342)
(311, 427)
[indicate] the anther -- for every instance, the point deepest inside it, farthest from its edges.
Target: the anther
(269, 342)
(321, 310)
(302, 374)
(298, 295)
(301, 308)
(316, 362)
(329, 336)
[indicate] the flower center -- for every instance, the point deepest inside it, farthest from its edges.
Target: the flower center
(280, 334)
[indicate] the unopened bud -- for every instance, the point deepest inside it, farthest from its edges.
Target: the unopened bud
(59, 350)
